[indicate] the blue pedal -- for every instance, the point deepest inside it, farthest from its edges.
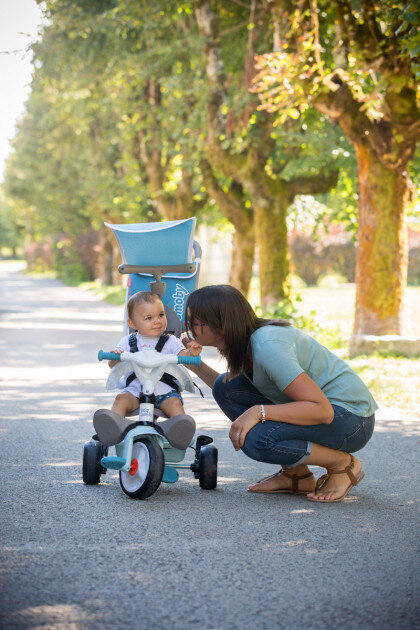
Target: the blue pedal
(170, 475)
(116, 463)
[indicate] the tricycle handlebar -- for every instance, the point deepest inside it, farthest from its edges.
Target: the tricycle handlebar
(108, 356)
(189, 360)
(112, 356)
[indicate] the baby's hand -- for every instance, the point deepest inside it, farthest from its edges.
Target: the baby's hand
(115, 361)
(193, 348)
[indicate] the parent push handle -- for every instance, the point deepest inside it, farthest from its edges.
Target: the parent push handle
(157, 270)
(108, 356)
(189, 360)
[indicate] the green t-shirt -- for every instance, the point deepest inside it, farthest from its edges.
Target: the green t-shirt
(281, 353)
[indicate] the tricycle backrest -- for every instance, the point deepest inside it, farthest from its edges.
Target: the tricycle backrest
(156, 244)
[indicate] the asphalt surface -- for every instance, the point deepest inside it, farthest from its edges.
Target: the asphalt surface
(76, 556)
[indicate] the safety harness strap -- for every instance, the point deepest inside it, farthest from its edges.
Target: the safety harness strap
(168, 379)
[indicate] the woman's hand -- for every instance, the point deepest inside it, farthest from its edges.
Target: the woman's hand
(243, 424)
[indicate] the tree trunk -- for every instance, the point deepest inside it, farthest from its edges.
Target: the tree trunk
(232, 204)
(242, 257)
(105, 261)
(271, 237)
(382, 253)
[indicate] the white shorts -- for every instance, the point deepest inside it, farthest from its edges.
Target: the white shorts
(135, 388)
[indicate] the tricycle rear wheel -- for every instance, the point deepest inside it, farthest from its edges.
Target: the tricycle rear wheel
(146, 472)
(207, 467)
(92, 469)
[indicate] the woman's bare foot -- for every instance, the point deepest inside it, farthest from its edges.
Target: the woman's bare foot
(279, 482)
(336, 486)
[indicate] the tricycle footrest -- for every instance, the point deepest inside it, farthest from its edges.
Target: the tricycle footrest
(113, 462)
(170, 475)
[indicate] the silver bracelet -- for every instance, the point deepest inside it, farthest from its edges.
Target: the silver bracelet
(263, 418)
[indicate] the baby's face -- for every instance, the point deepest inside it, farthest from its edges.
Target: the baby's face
(149, 319)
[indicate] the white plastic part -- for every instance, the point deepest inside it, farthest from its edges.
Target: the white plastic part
(149, 366)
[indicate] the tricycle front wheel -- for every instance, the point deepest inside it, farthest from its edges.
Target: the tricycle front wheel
(146, 471)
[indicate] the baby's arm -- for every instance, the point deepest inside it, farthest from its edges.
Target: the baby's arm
(115, 361)
(193, 350)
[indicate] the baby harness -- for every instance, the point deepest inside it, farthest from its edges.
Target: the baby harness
(168, 379)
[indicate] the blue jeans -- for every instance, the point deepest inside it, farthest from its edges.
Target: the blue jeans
(283, 443)
(162, 397)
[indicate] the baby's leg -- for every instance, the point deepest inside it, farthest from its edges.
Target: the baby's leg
(124, 403)
(172, 406)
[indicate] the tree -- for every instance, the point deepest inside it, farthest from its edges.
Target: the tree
(352, 61)
(116, 129)
(166, 122)
(251, 156)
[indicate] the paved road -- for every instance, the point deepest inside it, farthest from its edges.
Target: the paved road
(89, 557)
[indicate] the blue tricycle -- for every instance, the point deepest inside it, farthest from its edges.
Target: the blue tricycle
(150, 449)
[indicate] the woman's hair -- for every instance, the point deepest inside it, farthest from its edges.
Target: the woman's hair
(224, 308)
(141, 297)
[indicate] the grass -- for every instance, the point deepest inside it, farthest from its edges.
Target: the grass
(392, 379)
(111, 294)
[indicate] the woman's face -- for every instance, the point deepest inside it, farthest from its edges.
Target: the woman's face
(205, 336)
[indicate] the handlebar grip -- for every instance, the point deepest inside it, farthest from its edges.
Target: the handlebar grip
(189, 360)
(108, 356)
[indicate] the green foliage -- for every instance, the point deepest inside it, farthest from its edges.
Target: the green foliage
(314, 49)
(332, 338)
(10, 236)
(288, 310)
(111, 294)
(68, 266)
(93, 146)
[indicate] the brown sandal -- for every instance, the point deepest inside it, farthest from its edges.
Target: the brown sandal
(295, 484)
(354, 481)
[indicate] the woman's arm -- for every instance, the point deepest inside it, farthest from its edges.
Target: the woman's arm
(205, 372)
(310, 406)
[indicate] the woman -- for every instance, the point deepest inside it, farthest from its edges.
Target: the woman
(291, 401)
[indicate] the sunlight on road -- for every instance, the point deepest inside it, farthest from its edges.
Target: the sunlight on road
(48, 325)
(40, 374)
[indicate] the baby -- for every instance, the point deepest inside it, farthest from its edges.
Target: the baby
(146, 314)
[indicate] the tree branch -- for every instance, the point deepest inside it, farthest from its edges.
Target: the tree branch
(340, 104)
(231, 204)
(312, 185)
(369, 17)
(367, 35)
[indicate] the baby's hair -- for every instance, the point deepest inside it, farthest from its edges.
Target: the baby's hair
(141, 297)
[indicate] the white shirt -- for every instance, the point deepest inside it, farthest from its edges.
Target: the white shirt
(172, 346)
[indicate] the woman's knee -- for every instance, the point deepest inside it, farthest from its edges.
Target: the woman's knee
(219, 387)
(255, 446)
